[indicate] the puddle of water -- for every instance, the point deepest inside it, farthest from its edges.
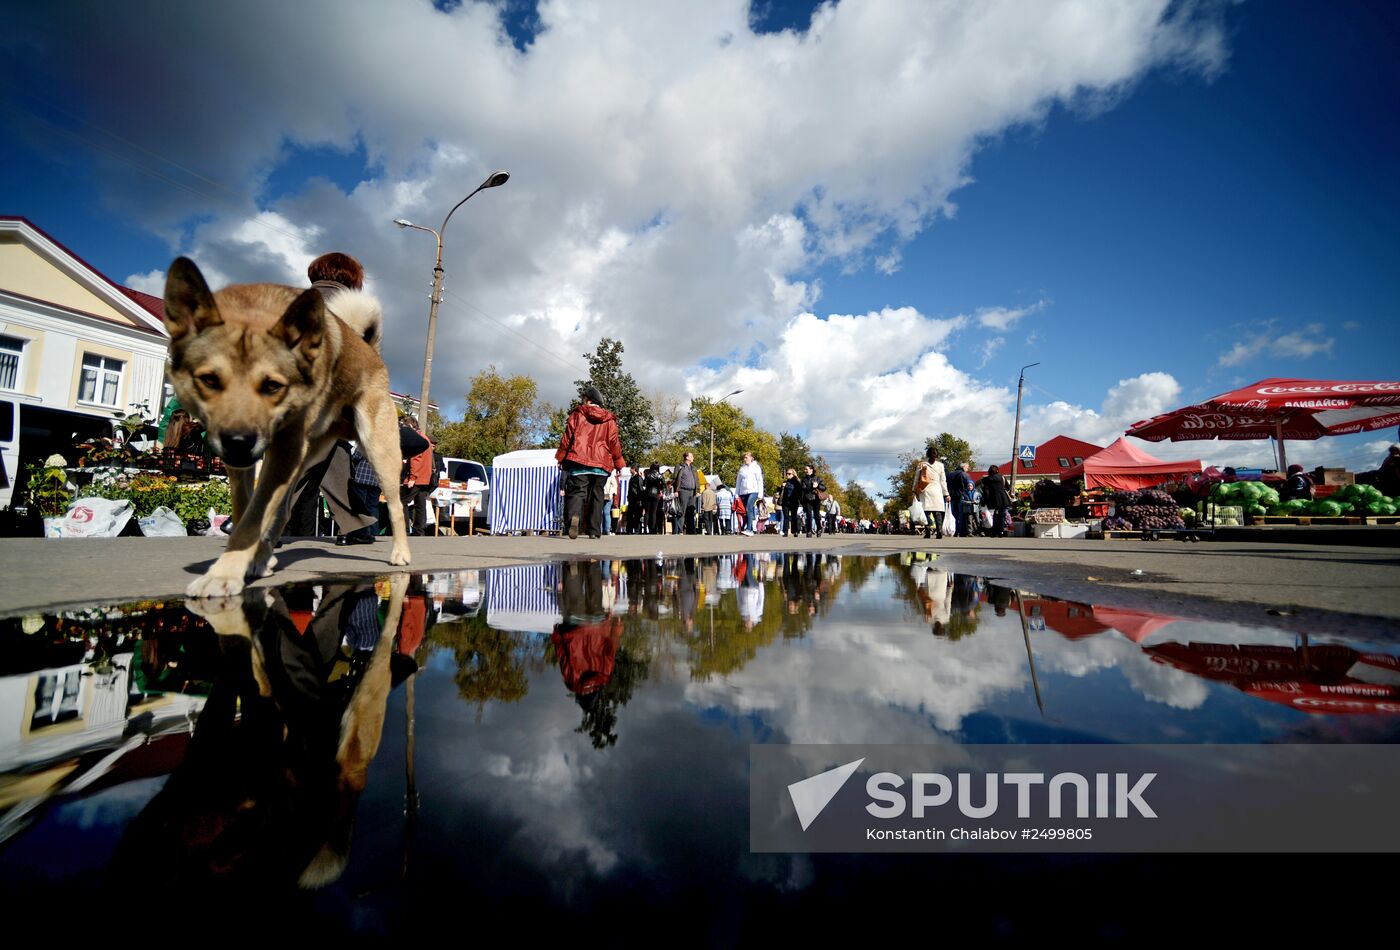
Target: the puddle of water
(571, 740)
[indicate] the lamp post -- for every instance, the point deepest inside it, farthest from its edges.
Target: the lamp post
(1016, 436)
(712, 428)
(496, 179)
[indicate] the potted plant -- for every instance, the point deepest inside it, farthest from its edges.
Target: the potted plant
(48, 489)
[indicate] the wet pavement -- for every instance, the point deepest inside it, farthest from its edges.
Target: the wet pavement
(564, 745)
(1242, 581)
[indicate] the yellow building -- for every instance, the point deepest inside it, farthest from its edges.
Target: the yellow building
(77, 350)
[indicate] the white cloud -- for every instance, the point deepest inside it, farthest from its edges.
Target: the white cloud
(989, 349)
(676, 178)
(1296, 344)
(1000, 318)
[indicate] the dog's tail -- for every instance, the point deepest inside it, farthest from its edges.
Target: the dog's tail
(361, 312)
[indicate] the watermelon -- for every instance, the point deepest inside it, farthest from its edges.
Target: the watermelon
(1326, 509)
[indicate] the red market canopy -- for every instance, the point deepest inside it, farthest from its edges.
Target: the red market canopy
(1125, 466)
(1280, 409)
(1136, 625)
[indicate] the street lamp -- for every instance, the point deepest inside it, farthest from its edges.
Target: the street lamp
(1016, 435)
(496, 179)
(712, 429)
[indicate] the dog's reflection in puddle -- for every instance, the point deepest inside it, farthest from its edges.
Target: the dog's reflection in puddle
(268, 787)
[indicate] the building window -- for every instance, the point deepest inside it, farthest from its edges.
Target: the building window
(11, 354)
(102, 380)
(1064, 462)
(1079, 460)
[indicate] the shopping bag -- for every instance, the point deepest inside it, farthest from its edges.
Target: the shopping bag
(916, 513)
(162, 523)
(90, 518)
(950, 523)
(986, 518)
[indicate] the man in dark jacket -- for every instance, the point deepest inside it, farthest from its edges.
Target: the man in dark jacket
(589, 450)
(997, 499)
(687, 485)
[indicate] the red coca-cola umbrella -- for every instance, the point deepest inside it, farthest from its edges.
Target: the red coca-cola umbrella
(1329, 678)
(1280, 409)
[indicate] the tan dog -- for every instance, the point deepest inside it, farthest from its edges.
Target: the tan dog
(275, 377)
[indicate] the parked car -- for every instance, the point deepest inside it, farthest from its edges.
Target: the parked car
(475, 479)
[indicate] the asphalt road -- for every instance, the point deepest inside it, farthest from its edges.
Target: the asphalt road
(1309, 587)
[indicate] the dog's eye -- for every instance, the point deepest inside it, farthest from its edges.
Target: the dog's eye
(210, 381)
(271, 387)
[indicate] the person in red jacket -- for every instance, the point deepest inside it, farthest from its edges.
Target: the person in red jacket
(589, 450)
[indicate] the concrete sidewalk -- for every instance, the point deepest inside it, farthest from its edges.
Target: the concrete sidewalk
(1226, 580)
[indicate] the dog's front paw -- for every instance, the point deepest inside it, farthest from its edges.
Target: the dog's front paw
(262, 568)
(399, 556)
(225, 615)
(215, 585)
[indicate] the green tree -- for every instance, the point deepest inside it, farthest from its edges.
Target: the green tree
(503, 414)
(793, 452)
(734, 433)
(408, 406)
(636, 428)
(858, 503)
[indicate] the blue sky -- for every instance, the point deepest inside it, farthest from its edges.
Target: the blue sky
(1216, 208)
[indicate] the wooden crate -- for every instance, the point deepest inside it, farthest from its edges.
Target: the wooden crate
(1159, 534)
(1304, 520)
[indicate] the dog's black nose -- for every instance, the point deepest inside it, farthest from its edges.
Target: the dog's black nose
(238, 448)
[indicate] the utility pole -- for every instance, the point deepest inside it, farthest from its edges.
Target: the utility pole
(1016, 436)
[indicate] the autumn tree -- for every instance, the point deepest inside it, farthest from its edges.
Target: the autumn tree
(734, 434)
(858, 503)
(503, 414)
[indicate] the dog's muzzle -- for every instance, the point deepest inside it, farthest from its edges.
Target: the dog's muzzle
(238, 449)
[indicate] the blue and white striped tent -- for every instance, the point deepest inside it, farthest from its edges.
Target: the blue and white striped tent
(523, 598)
(525, 492)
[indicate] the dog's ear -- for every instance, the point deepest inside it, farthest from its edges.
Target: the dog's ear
(303, 326)
(189, 306)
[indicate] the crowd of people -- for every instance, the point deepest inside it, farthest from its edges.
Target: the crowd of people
(601, 495)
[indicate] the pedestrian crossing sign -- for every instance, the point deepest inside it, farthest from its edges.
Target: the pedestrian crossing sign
(1026, 454)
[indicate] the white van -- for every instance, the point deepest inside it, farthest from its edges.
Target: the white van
(475, 479)
(9, 450)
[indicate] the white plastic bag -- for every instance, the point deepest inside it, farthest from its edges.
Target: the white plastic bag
(916, 513)
(162, 523)
(986, 518)
(950, 523)
(90, 518)
(216, 521)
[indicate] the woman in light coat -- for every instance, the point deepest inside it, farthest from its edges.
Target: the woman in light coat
(935, 495)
